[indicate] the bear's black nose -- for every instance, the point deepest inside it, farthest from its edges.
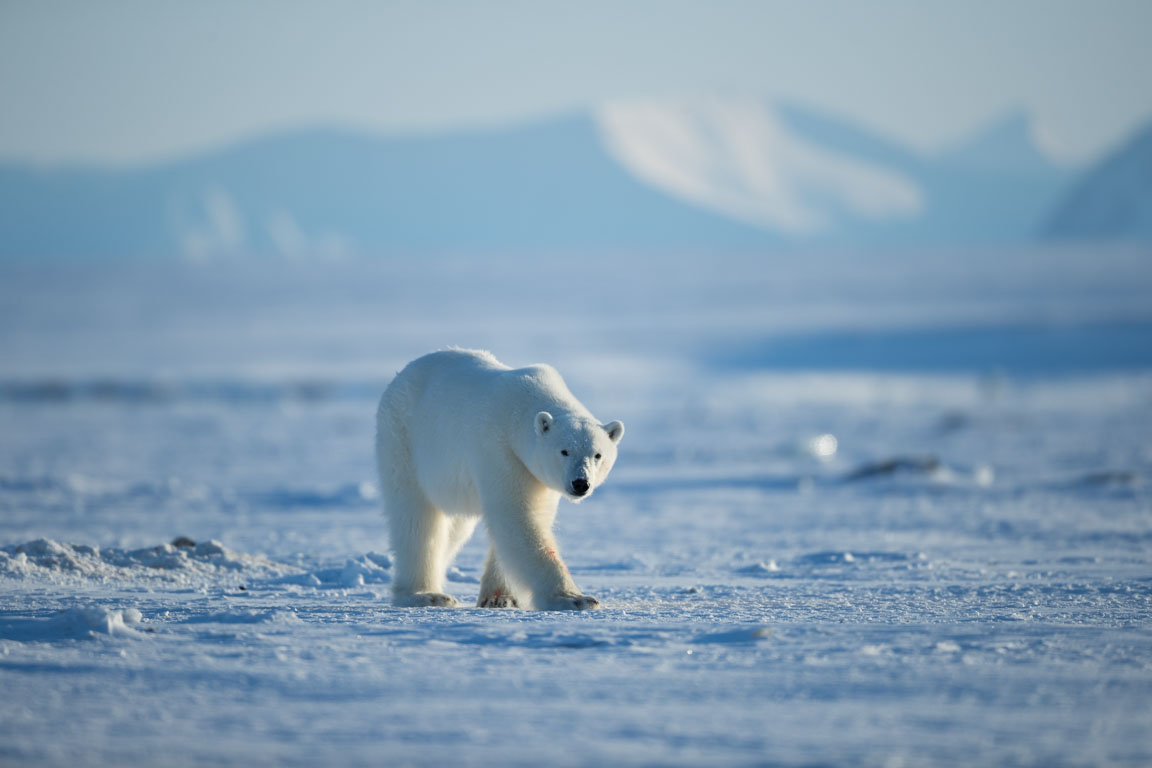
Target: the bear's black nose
(579, 486)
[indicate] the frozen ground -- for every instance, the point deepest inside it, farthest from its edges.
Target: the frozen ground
(806, 555)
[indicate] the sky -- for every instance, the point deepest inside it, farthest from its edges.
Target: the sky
(134, 82)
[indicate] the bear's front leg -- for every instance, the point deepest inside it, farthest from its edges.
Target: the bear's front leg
(567, 599)
(527, 551)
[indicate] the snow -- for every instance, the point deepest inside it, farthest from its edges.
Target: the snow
(180, 561)
(739, 159)
(76, 623)
(797, 565)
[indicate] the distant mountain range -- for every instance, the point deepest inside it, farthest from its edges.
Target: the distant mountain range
(1112, 201)
(638, 176)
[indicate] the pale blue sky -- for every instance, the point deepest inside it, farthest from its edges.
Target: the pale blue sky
(134, 81)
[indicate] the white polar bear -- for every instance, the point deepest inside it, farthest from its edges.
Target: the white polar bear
(460, 436)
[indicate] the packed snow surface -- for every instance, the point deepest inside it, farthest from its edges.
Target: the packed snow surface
(801, 560)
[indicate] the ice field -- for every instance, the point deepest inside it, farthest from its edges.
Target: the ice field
(867, 512)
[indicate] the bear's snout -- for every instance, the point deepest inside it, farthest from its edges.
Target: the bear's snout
(579, 486)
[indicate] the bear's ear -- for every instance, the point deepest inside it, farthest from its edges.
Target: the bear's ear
(543, 422)
(615, 430)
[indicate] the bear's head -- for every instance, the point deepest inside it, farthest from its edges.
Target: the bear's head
(574, 455)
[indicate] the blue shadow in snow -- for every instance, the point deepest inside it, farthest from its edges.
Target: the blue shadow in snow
(1011, 349)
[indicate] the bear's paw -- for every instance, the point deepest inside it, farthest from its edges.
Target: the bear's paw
(424, 600)
(497, 600)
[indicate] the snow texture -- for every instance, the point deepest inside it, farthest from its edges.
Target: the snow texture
(798, 564)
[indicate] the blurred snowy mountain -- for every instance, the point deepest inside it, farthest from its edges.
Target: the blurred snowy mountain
(992, 189)
(1113, 201)
(637, 176)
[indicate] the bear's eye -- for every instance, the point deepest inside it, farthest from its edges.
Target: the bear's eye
(597, 457)
(563, 453)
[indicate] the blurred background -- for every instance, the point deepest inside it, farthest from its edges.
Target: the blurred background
(261, 189)
(696, 211)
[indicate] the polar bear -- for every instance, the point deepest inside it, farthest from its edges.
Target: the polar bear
(459, 437)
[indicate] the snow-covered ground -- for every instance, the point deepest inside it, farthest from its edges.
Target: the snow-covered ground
(934, 552)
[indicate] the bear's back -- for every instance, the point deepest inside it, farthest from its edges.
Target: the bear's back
(458, 393)
(452, 362)
(452, 390)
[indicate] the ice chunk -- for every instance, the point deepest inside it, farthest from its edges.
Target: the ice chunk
(83, 622)
(761, 568)
(743, 635)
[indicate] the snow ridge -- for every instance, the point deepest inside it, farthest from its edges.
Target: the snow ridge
(180, 561)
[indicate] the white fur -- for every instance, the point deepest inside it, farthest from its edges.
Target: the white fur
(459, 437)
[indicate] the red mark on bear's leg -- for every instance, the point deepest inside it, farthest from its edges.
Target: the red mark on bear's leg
(551, 552)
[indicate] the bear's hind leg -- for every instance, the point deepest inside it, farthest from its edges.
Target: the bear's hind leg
(420, 537)
(460, 528)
